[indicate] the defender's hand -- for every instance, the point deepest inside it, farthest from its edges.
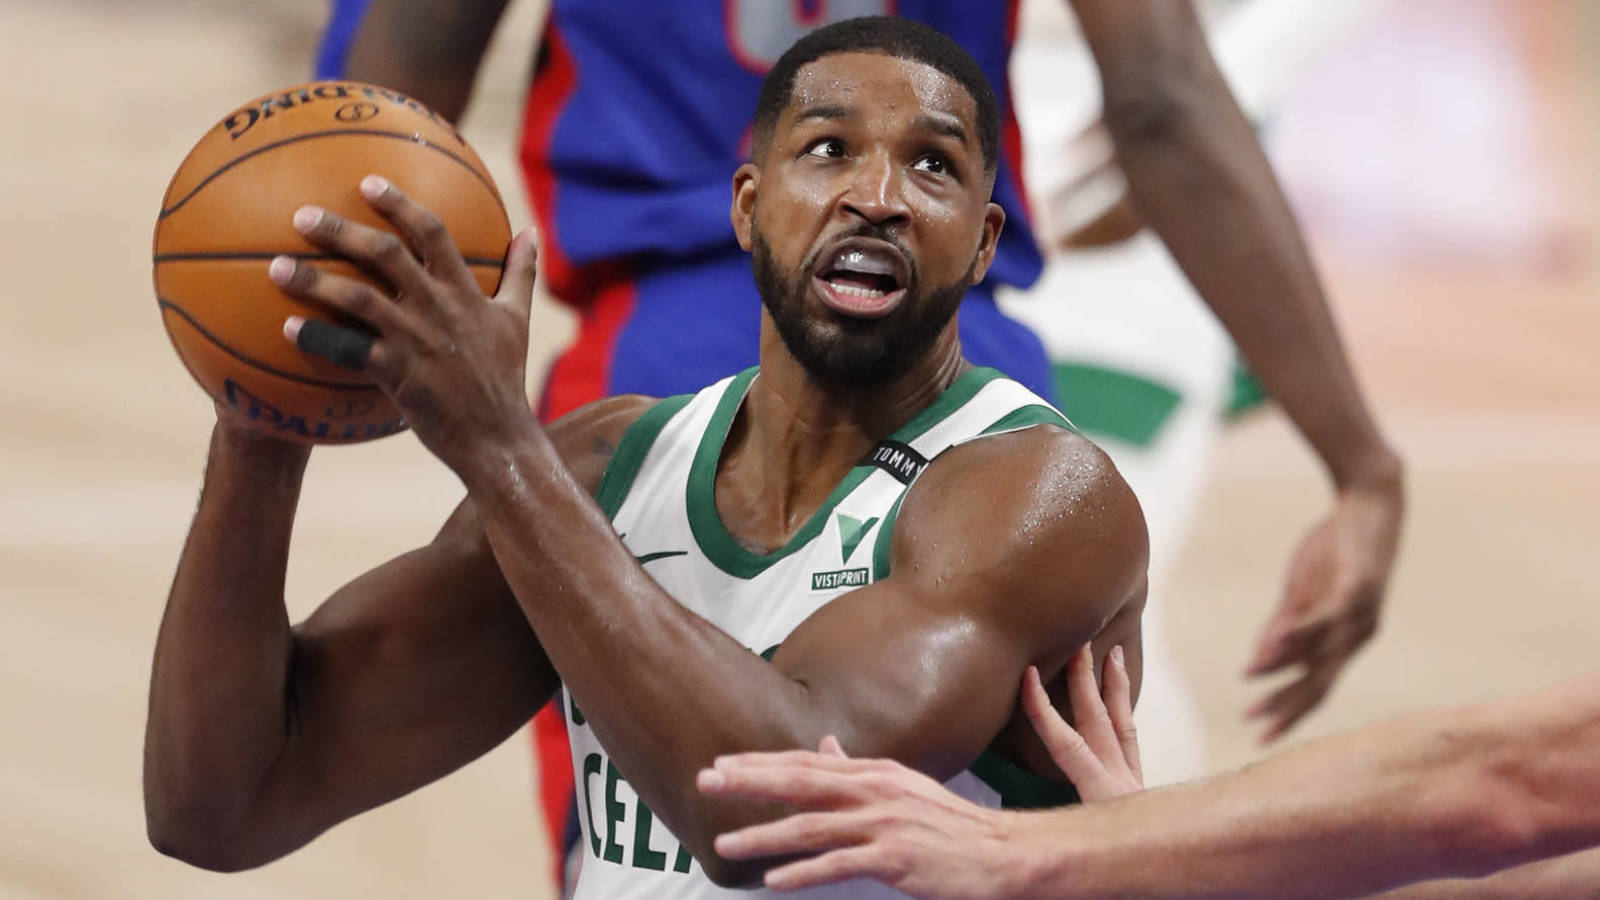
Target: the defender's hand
(1101, 754)
(871, 818)
(450, 358)
(1331, 602)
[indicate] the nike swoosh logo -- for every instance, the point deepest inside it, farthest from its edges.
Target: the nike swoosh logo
(660, 554)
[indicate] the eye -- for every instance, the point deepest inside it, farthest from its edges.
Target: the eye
(933, 163)
(826, 148)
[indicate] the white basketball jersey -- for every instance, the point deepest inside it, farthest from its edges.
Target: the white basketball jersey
(658, 492)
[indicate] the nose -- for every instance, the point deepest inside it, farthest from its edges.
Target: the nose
(876, 192)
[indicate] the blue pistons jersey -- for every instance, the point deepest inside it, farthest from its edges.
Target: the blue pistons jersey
(638, 115)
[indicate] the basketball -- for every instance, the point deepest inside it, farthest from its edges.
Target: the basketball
(227, 213)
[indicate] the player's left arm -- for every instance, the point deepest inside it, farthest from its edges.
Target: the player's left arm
(1199, 177)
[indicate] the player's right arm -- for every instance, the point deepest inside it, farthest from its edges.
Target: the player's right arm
(423, 48)
(262, 735)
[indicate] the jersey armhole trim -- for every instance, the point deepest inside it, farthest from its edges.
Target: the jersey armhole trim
(631, 452)
(1019, 788)
(1028, 416)
(1017, 419)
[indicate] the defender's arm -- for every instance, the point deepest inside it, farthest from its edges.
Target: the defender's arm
(1447, 794)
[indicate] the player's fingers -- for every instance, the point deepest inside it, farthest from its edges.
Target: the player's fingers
(830, 746)
(424, 232)
(866, 861)
(1284, 708)
(806, 832)
(341, 346)
(1089, 716)
(1119, 704)
(381, 254)
(521, 271)
(1066, 746)
(350, 296)
(1294, 643)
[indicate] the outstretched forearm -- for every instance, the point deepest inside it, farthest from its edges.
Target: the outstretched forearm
(425, 49)
(1451, 794)
(218, 698)
(1199, 177)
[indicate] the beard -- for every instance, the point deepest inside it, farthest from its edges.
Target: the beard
(841, 350)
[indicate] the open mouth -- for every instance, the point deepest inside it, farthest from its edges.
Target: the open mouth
(864, 278)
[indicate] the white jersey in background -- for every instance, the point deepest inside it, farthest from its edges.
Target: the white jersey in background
(658, 492)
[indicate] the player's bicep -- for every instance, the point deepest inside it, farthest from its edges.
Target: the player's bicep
(1008, 552)
(898, 678)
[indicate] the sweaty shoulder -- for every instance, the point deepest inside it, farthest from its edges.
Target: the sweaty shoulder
(1038, 521)
(587, 437)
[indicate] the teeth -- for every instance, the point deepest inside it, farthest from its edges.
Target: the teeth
(853, 291)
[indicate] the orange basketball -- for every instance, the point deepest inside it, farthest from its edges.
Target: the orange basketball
(227, 213)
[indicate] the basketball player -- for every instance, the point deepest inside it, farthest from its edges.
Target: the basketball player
(1445, 795)
(900, 534)
(638, 109)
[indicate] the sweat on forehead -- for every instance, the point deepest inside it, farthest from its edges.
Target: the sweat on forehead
(883, 35)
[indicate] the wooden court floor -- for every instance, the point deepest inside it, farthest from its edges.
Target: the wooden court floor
(1487, 376)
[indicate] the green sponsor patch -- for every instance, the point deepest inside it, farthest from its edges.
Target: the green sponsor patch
(840, 578)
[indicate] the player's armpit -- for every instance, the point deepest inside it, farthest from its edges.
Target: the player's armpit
(587, 437)
(1008, 552)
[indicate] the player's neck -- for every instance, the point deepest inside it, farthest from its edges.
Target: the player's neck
(795, 438)
(788, 405)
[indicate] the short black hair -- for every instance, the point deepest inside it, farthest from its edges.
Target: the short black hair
(892, 36)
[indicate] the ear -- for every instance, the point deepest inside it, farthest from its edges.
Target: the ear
(745, 181)
(994, 219)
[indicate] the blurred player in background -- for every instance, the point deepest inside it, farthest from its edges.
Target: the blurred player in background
(1137, 359)
(639, 109)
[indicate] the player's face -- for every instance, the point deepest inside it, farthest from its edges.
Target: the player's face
(869, 216)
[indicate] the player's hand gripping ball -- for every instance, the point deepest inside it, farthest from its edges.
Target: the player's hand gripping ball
(228, 212)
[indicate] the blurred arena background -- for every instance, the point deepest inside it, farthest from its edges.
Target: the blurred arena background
(1441, 159)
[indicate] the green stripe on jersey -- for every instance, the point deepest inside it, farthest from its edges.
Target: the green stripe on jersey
(1021, 417)
(631, 451)
(1109, 403)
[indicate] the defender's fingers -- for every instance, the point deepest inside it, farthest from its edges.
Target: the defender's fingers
(1089, 715)
(787, 784)
(1119, 703)
(424, 232)
(350, 296)
(1066, 746)
(806, 758)
(865, 861)
(381, 254)
(806, 832)
(830, 746)
(344, 347)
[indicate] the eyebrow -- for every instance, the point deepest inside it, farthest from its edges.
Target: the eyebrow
(948, 126)
(824, 112)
